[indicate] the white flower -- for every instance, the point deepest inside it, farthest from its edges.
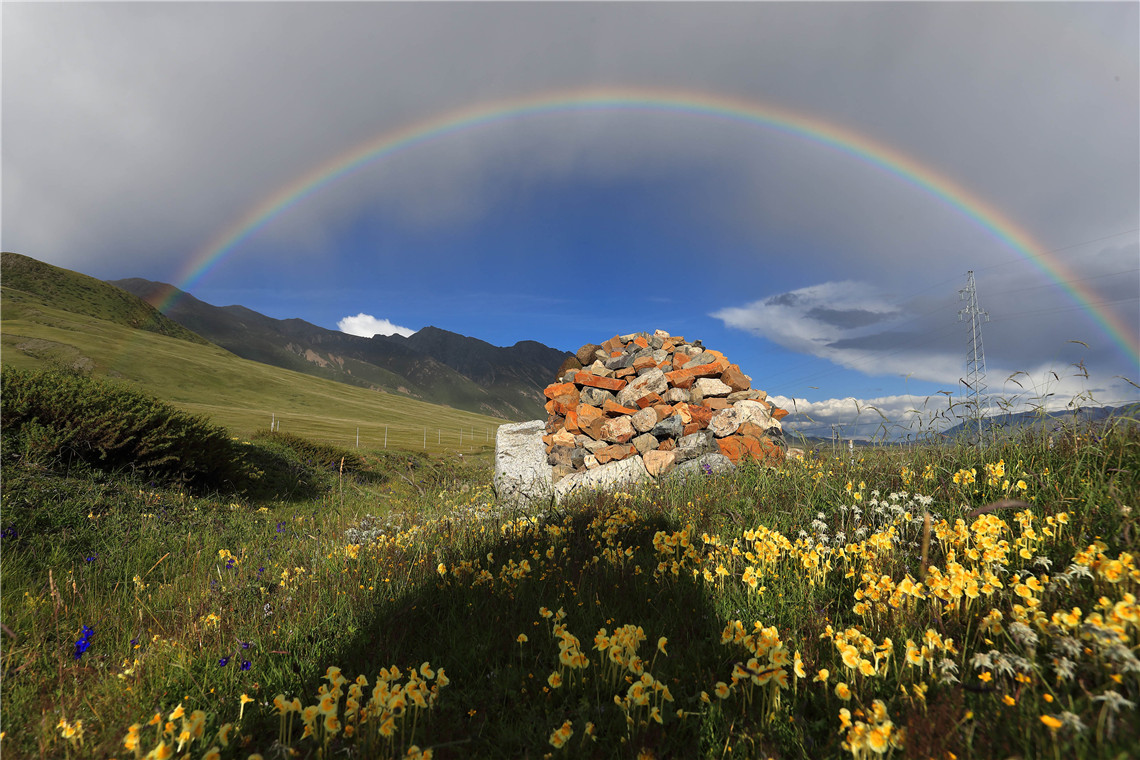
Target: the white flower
(1114, 701)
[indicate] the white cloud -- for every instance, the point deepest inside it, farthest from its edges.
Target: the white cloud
(366, 325)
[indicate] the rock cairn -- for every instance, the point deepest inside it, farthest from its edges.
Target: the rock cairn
(659, 398)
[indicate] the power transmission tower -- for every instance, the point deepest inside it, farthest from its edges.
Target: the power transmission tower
(975, 354)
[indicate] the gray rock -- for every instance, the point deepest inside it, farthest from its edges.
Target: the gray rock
(619, 362)
(656, 341)
(578, 457)
(596, 396)
(644, 420)
(521, 472)
(703, 466)
(676, 395)
(745, 395)
(591, 445)
(710, 387)
(700, 359)
(651, 382)
(701, 441)
(644, 443)
(624, 473)
(559, 455)
(725, 422)
(670, 427)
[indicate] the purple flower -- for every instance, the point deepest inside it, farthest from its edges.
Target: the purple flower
(246, 664)
(281, 527)
(707, 468)
(84, 641)
(224, 661)
(92, 558)
(244, 644)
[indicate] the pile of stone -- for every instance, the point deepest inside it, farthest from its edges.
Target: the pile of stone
(636, 408)
(659, 398)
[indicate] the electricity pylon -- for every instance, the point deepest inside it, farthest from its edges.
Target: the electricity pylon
(975, 354)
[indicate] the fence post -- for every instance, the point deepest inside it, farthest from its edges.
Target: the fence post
(385, 436)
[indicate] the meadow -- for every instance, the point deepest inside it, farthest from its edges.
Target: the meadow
(938, 601)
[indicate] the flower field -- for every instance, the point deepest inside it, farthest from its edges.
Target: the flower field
(933, 602)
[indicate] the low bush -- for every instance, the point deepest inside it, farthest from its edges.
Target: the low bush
(57, 418)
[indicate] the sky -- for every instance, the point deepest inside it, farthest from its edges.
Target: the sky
(802, 186)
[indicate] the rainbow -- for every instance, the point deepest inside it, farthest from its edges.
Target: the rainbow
(643, 99)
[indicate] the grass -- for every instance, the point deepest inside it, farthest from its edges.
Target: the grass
(241, 395)
(774, 613)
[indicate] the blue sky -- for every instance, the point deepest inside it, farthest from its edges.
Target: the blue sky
(125, 154)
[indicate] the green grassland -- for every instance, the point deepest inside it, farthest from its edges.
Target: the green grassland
(936, 602)
(243, 396)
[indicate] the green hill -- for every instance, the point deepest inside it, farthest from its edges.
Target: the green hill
(76, 326)
(80, 294)
(433, 364)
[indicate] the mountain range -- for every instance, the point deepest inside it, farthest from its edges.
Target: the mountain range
(433, 365)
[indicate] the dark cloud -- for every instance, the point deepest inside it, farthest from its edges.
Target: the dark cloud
(848, 318)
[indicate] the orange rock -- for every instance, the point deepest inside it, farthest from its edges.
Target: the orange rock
(641, 341)
(716, 404)
(613, 344)
(681, 378)
(558, 389)
(752, 429)
(667, 445)
(644, 362)
(680, 360)
(701, 415)
(663, 411)
(681, 409)
(778, 413)
(625, 372)
(693, 427)
(597, 381)
(735, 379)
(565, 402)
(615, 452)
(590, 420)
(731, 447)
(712, 369)
(649, 399)
(549, 407)
(613, 409)
(572, 420)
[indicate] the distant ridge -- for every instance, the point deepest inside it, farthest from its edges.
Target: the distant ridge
(433, 364)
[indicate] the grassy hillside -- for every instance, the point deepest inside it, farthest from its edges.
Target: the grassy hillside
(80, 294)
(937, 602)
(434, 365)
(242, 395)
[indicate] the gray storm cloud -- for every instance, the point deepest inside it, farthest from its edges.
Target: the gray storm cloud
(135, 133)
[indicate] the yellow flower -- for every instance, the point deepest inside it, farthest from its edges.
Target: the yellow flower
(986, 676)
(522, 639)
(213, 753)
(441, 569)
(1009, 700)
(178, 712)
(554, 680)
(661, 642)
(842, 691)
(799, 667)
(245, 700)
(1051, 722)
(722, 690)
(822, 676)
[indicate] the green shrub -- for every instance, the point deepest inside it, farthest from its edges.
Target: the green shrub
(58, 418)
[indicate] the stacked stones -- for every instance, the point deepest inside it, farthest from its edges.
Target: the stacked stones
(657, 397)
